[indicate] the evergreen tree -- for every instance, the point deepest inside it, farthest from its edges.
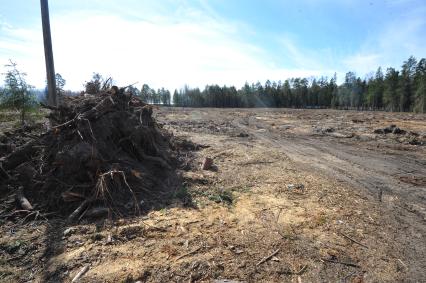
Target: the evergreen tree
(406, 88)
(390, 94)
(17, 94)
(420, 83)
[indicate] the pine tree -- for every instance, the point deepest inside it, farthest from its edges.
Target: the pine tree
(17, 94)
(390, 94)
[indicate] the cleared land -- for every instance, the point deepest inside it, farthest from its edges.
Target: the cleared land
(294, 196)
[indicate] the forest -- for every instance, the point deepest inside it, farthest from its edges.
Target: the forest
(393, 90)
(401, 90)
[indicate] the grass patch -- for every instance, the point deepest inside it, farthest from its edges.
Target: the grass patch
(217, 195)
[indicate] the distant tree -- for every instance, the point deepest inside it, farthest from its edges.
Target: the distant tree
(313, 94)
(406, 88)
(145, 93)
(134, 91)
(390, 94)
(176, 98)
(375, 89)
(287, 94)
(164, 96)
(2, 96)
(155, 98)
(420, 82)
(60, 83)
(94, 85)
(420, 105)
(397, 90)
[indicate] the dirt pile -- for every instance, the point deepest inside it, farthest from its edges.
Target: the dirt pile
(408, 137)
(104, 153)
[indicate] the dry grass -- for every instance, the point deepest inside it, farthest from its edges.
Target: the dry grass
(226, 239)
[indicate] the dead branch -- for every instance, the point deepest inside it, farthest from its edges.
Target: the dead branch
(353, 240)
(79, 210)
(265, 259)
(341, 262)
(20, 155)
(68, 161)
(189, 253)
(104, 87)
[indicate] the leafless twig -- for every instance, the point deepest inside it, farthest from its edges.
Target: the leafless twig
(353, 240)
(265, 259)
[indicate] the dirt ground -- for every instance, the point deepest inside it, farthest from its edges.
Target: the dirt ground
(294, 196)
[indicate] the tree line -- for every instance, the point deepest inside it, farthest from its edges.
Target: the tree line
(392, 90)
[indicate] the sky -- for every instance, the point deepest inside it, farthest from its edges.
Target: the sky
(172, 43)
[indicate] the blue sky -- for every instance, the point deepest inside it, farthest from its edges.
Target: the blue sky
(197, 42)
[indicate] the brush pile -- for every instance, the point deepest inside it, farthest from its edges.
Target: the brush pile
(102, 153)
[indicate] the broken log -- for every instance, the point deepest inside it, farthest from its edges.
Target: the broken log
(22, 200)
(207, 163)
(79, 210)
(20, 155)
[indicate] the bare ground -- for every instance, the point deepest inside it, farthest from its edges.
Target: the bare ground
(359, 216)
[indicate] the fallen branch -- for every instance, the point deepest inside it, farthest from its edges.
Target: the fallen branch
(187, 254)
(78, 210)
(20, 155)
(80, 274)
(353, 240)
(68, 122)
(341, 262)
(265, 259)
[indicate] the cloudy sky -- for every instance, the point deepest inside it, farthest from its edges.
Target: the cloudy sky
(197, 42)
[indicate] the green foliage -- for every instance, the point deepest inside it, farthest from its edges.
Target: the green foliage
(17, 94)
(420, 83)
(396, 91)
(161, 96)
(222, 196)
(375, 90)
(60, 83)
(391, 95)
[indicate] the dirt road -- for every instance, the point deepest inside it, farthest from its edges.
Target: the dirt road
(375, 172)
(393, 175)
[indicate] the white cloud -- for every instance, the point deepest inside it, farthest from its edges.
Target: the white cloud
(194, 48)
(362, 64)
(190, 45)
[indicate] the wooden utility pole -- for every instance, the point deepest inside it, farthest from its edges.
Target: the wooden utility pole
(48, 54)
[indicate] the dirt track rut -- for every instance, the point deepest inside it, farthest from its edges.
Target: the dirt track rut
(368, 170)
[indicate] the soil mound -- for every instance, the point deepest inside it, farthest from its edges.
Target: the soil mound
(103, 153)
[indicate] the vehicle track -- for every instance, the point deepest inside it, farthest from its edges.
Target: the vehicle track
(373, 172)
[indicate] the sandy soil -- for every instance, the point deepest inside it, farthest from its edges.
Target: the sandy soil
(295, 196)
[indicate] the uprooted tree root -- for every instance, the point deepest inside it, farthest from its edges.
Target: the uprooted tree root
(103, 150)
